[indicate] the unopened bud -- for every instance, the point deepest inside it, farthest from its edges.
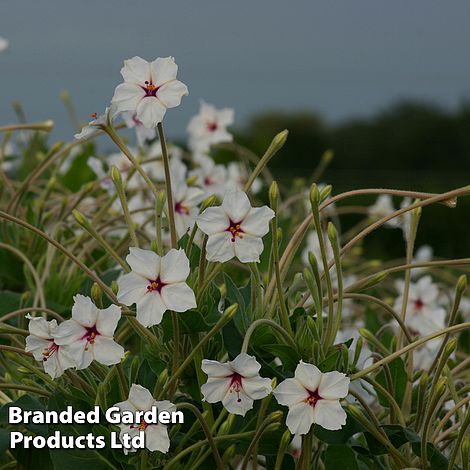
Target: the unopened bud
(325, 192)
(332, 235)
(96, 294)
(114, 287)
(449, 348)
(462, 284)
(80, 218)
(314, 197)
(273, 196)
(160, 203)
(116, 176)
(230, 311)
(208, 202)
(367, 282)
(279, 140)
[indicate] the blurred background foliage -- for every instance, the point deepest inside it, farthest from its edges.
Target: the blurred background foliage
(411, 145)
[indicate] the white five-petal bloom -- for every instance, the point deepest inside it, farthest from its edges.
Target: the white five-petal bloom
(424, 313)
(42, 345)
(236, 383)
(88, 335)
(235, 228)
(209, 127)
(383, 207)
(156, 284)
(313, 398)
(149, 88)
(156, 435)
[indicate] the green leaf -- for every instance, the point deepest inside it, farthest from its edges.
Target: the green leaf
(289, 357)
(340, 456)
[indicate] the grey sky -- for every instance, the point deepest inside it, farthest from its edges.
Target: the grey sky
(343, 57)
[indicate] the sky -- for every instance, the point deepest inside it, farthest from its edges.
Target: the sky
(340, 58)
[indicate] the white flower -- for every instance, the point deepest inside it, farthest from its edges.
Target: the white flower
(41, 344)
(94, 126)
(209, 127)
(142, 133)
(235, 228)
(236, 383)
(156, 284)
(186, 201)
(89, 334)
(424, 314)
(4, 44)
(6, 153)
(156, 435)
(211, 177)
(149, 88)
(313, 398)
(383, 207)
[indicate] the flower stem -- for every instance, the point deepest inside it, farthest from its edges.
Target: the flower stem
(169, 194)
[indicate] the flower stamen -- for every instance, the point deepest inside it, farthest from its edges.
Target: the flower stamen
(312, 398)
(235, 229)
(236, 385)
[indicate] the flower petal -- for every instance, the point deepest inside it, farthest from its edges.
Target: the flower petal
(36, 346)
(106, 351)
(108, 320)
(290, 392)
(69, 332)
(141, 398)
(150, 309)
(236, 204)
(174, 267)
(245, 365)
(178, 297)
(308, 375)
(164, 69)
(333, 385)
(170, 93)
(329, 414)
(257, 387)
(132, 287)
(84, 311)
(144, 262)
(81, 354)
(156, 438)
(248, 248)
(127, 97)
(300, 418)
(215, 389)
(40, 327)
(256, 223)
(220, 247)
(237, 403)
(150, 111)
(136, 70)
(216, 368)
(213, 220)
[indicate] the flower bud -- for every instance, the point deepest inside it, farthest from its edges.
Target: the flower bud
(356, 412)
(88, 187)
(208, 202)
(80, 218)
(160, 202)
(465, 449)
(314, 197)
(192, 180)
(440, 388)
(285, 440)
(116, 176)
(325, 192)
(96, 294)
(462, 284)
(272, 427)
(449, 348)
(229, 454)
(273, 196)
(332, 235)
(230, 311)
(368, 282)
(279, 140)
(114, 287)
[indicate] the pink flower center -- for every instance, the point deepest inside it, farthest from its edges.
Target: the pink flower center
(90, 336)
(419, 304)
(50, 351)
(155, 285)
(236, 385)
(150, 89)
(180, 208)
(208, 181)
(212, 126)
(312, 398)
(235, 229)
